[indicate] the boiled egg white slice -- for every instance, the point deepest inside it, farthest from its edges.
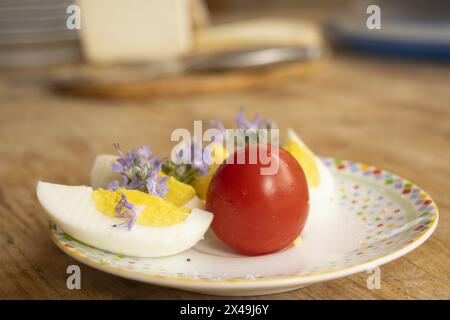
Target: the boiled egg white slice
(73, 209)
(101, 172)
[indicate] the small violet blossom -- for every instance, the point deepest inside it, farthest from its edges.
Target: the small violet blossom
(252, 127)
(198, 160)
(125, 209)
(255, 124)
(156, 185)
(216, 123)
(188, 167)
(139, 171)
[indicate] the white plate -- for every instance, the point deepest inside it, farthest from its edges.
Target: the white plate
(378, 218)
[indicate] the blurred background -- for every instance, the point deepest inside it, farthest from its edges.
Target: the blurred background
(356, 81)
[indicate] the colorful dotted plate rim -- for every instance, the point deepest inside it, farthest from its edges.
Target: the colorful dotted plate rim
(424, 206)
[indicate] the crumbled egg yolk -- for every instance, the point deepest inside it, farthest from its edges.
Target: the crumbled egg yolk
(156, 212)
(307, 161)
(219, 154)
(179, 192)
(297, 241)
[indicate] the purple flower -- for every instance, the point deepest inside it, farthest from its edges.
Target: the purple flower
(142, 154)
(255, 124)
(125, 209)
(123, 204)
(136, 168)
(125, 163)
(190, 162)
(116, 184)
(135, 183)
(197, 158)
(216, 123)
(113, 185)
(157, 186)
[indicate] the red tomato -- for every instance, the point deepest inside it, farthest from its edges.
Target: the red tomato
(257, 214)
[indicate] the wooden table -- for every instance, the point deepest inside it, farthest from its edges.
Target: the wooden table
(395, 115)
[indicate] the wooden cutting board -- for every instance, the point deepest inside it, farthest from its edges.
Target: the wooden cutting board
(186, 84)
(257, 33)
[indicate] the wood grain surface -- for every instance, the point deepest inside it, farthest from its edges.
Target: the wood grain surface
(183, 84)
(391, 114)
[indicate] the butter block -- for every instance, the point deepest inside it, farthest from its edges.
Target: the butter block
(135, 31)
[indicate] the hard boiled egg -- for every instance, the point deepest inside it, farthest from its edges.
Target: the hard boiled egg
(180, 194)
(161, 228)
(319, 178)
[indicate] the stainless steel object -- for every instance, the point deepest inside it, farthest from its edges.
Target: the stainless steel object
(250, 58)
(217, 62)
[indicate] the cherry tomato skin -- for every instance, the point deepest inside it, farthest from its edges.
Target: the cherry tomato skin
(257, 214)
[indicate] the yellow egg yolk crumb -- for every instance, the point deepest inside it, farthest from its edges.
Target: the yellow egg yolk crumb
(297, 241)
(179, 193)
(201, 185)
(156, 212)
